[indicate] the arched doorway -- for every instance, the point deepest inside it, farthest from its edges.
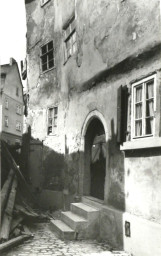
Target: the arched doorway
(95, 159)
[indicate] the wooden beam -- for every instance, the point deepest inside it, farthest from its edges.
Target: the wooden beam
(7, 218)
(5, 191)
(13, 242)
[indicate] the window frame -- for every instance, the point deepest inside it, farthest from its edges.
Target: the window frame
(18, 126)
(45, 2)
(142, 82)
(6, 121)
(6, 103)
(42, 55)
(54, 118)
(17, 91)
(18, 110)
(68, 38)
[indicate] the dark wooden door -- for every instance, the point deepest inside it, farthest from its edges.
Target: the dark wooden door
(98, 167)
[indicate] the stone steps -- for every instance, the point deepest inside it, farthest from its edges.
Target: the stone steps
(84, 210)
(62, 230)
(73, 220)
(80, 222)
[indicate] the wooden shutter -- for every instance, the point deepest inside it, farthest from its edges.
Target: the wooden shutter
(122, 99)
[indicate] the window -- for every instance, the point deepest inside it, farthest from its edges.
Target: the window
(18, 109)
(6, 103)
(52, 119)
(3, 78)
(143, 107)
(18, 126)
(70, 44)
(47, 56)
(44, 2)
(6, 121)
(17, 91)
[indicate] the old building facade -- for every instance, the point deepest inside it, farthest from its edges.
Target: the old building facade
(11, 103)
(93, 70)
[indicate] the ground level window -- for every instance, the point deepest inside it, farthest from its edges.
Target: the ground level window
(47, 56)
(143, 106)
(52, 119)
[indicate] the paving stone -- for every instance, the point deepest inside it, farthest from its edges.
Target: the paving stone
(45, 243)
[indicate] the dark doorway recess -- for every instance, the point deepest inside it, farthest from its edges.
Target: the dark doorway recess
(95, 154)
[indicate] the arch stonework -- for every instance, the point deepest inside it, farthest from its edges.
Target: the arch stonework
(93, 114)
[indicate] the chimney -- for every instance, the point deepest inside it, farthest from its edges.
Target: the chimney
(12, 61)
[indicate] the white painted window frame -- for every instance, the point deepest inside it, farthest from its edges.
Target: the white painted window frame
(48, 69)
(134, 85)
(18, 110)
(18, 126)
(69, 38)
(54, 126)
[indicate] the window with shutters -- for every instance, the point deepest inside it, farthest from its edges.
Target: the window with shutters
(143, 107)
(47, 56)
(52, 119)
(70, 43)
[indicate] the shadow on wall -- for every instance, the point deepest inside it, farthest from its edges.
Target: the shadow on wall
(46, 170)
(116, 167)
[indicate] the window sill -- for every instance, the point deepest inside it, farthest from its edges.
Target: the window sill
(143, 143)
(43, 72)
(44, 3)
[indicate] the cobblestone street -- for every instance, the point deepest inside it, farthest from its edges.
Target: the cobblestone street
(45, 242)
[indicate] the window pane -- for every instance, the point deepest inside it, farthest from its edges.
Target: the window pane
(44, 49)
(149, 126)
(138, 128)
(51, 64)
(49, 129)
(150, 108)
(68, 53)
(55, 121)
(73, 25)
(50, 112)
(50, 55)
(44, 67)
(74, 37)
(55, 111)
(50, 45)
(150, 89)
(67, 31)
(138, 111)
(44, 59)
(50, 121)
(68, 44)
(138, 93)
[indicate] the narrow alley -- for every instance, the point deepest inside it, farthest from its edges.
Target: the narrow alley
(45, 242)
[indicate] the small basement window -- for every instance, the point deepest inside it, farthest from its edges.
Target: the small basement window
(143, 107)
(70, 43)
(52, 119)
(47, 56)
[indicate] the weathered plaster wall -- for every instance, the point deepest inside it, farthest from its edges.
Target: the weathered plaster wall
(108, 33)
